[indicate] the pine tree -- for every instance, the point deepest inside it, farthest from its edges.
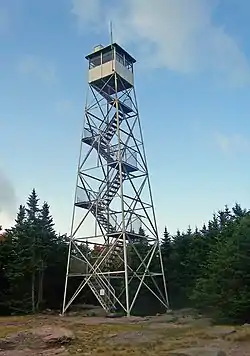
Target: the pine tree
(18, 264)
(5, 254)
(224, 286)
(204, 229)
(32, 207)
(166, 245)
(46, 219)
(239, 212)
(189, 231)
(45, 247)
(34, 233)
(32, 261)
(21, 216)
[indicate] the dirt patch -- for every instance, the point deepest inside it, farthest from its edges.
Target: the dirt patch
(221, 331)
(134, 337)
(21, 340)
(29, 352)
(166, 326)
(242, 349)
(85, 320)
(51, 335)
(39, 341)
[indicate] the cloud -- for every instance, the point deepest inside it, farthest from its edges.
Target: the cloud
(87, 12)
(179, 35)
(38, 68)
(7, 197)
(235, 143)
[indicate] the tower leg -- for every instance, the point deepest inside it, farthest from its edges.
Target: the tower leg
(126, 275)
(125, 257)
(66, 278)
(163, 276)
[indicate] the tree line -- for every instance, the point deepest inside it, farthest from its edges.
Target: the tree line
(208, 268)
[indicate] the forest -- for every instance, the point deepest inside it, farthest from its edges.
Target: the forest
(207, 269)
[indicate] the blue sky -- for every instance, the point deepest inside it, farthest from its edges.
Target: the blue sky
(192, 82)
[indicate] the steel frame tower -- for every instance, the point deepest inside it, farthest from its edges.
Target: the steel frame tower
(113, 208)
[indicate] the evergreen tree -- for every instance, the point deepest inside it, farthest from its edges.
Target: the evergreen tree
(18, 265)
(32, 218)
(32, 261)
(32, 207)
(5, 254)
(211, 265)
(224, 286)
(44, 247)
(46, 219)
(238, 212)
(166, 245)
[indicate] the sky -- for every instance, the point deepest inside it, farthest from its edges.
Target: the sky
(193, 85)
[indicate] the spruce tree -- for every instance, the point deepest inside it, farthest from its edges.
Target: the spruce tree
(46, 219)
(32, 207)
(238, 212)
(18, 265)
(224, 286)
(166, 246)
(34, 232)
(45, 248)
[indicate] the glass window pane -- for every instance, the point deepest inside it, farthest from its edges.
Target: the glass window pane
(107, 57)
(95, 61)
(119, 58)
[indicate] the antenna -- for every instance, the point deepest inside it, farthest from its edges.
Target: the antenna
(111, 32)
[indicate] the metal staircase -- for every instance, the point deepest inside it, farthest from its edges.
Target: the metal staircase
(117, 251)
(103, 221)
(102, 292)
(113, 188)
(111, 129)
(99, 205)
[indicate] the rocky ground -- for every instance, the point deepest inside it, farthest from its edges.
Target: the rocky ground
(176, 334)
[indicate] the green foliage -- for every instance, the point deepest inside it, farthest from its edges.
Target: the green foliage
(208, 269)
(225, 286)
(31, 255)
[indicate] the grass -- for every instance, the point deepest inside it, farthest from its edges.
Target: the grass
(13, 324)
(108, 339)
(96, 340)
(242, 334)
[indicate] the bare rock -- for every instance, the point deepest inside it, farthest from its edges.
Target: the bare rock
(112, 335)
(16, 353)
(197, 351)
(221, 331)
(36, 341)
(203, 322)
(28, 352)
(99, 312)
(163, 318)
(53, 334)
(22, 339)
(113, 315)
(61, 351)
(133, 337)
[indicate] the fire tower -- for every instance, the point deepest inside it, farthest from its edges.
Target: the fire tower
(113, 214)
